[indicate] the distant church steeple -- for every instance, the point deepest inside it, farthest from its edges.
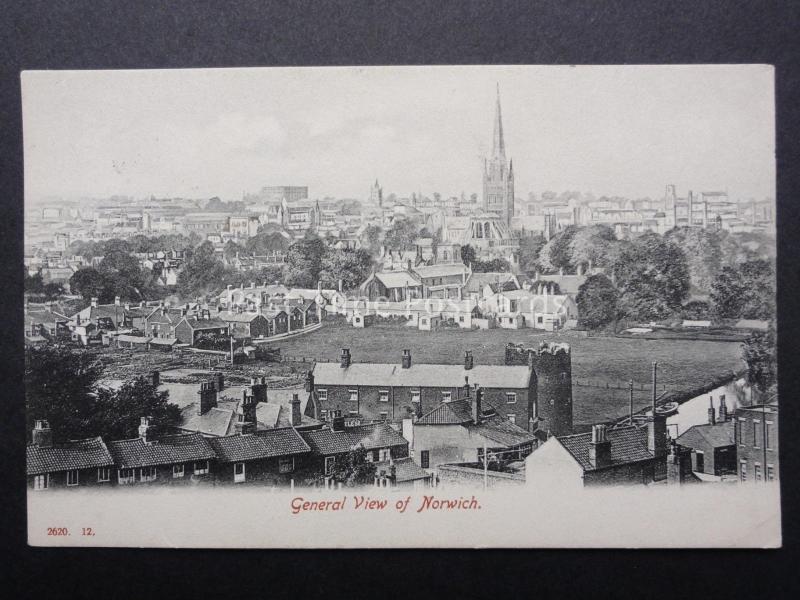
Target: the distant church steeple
(498, 176)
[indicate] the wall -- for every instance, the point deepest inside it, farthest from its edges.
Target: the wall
(86, 478)
(460, 476)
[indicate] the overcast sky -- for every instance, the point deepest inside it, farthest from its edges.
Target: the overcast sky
(200, 133)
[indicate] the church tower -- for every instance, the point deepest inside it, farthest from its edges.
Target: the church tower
(498, 175)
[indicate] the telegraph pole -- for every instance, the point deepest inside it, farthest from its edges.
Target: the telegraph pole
(655, 369)
(630, 393)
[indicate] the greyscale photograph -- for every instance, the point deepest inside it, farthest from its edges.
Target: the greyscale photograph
(436, 281)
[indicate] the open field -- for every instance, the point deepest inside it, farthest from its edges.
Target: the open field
(682, 363)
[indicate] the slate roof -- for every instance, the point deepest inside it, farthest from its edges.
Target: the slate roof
(217, 421)
(232, 317)
(398, 279)
(269, 443)
(498, 281)
(422, 375)
(628, 445)
(441, 270)
(327, 442)
(75, 454)
(405, 469)
(171, 449)
(196, 323)
(44, 317)
(708, 436)
(504, 432)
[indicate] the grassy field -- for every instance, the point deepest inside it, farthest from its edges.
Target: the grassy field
(595, 360)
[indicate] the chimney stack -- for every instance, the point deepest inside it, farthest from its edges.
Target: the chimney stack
(42, 434)
(468, 361)
(117, 300)
(337, 424)
(155, 378)
(144, 428)
(310, 381)
(219, 380)
(406, 364)
(712, 418)
(476, 406)
(600, 448)
(208, 397)
(723, 409)
(657, 436)
(94, 302)
(249, 407)
(258, 388)
(297, 417)
(345, 358)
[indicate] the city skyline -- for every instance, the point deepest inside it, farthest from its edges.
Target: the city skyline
(204, 133)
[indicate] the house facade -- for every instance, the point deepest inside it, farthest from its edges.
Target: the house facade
(756, 437)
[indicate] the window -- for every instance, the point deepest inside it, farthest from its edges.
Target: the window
(425, 459)
(756, 423)
(511, 398)
(743, 470)
(447, 396)
(177, 471)
(767, 435)
(415, 395)
(757, 472)
(238, 472)
(103, 474)
(322, 394)
(323, 414)
(201, 468)
(72, 477)
(353, 395)
(512, 417)
(126, 476)
(147, 474)
(741, 424)
(460, 319)
(352, 413)
(539, 319)
(383, 395)
(240, 418)
(286, 465)
(700, 461)
(770, 473)
(329, 462)
(384, 416)
(384, 454)
(41, 482)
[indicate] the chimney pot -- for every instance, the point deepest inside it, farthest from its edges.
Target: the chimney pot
(345, 358)
(296, 417)
(723, 409)
(712, 418)
(406, 362)
(600, 448)
(468, 360)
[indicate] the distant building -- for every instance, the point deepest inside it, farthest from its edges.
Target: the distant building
(756, 436)
(376, 195)
(278, 193)
(712, 444)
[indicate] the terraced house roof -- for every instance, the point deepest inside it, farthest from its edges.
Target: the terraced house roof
(628, 445)
(75, 454)
(167, 450)
(270, 443)
(328, 442)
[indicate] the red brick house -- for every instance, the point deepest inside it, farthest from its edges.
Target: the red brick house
(188, 328)
(246, 324)
(75, 463)
(756, 437)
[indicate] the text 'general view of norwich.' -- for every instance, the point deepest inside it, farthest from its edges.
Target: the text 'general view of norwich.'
(403, 338)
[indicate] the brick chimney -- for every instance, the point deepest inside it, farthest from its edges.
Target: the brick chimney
(94, 302)
(155, 378)
(468, 361)
(345, 358)
(657, 436)
(406, 361)
(310, 381)
(723, 409)
(476, 406)
(712, 416)
(249, 407)
(258, 387)
(208, 397)
(144, 428)
(297, 416)
(337, 424)
(600, 447)
(42, 434)
(219, 381)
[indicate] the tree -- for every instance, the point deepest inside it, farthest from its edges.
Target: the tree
(59, 387)
(266, 242)
(52, 291)
(371, 239)
(33, 283)
(468, 255)
(201, 273)
(231, 250)
(353, 468)
(703, 254)
(304, 261)
(88, 282)
(530, 246)
(213, 341)
(350, 266)
(597, 302)
(556, 254)
(652, 277)
(401, 235)
(758, 352)
(118, 413)
(591, 245)
(745, 292)
(696, 309)
(496, 265)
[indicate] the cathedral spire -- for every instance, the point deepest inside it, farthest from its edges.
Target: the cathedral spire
(499, 145)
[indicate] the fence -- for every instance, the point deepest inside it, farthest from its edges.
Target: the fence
(616, 385)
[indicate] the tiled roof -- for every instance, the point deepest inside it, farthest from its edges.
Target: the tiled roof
(441, 270)
(213, 323)
(422, 375)
(397, 279)
(458, 412)
(217, 421)
(500, 281)
(405, 469)
(167, 450)
(708, 436)
(326, 441)
(262, 444)
(76, 454)
(44, 317)
(244, 317)
(504, 432)
(628, 445)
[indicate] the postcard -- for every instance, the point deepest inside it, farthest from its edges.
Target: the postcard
(377, 307)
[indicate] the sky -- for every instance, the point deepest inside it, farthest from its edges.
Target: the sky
(627, 130)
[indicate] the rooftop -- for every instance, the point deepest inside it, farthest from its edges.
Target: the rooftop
(327, 442)
(628, 445)
(270, 443)
(171, 449)
(75, 454)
